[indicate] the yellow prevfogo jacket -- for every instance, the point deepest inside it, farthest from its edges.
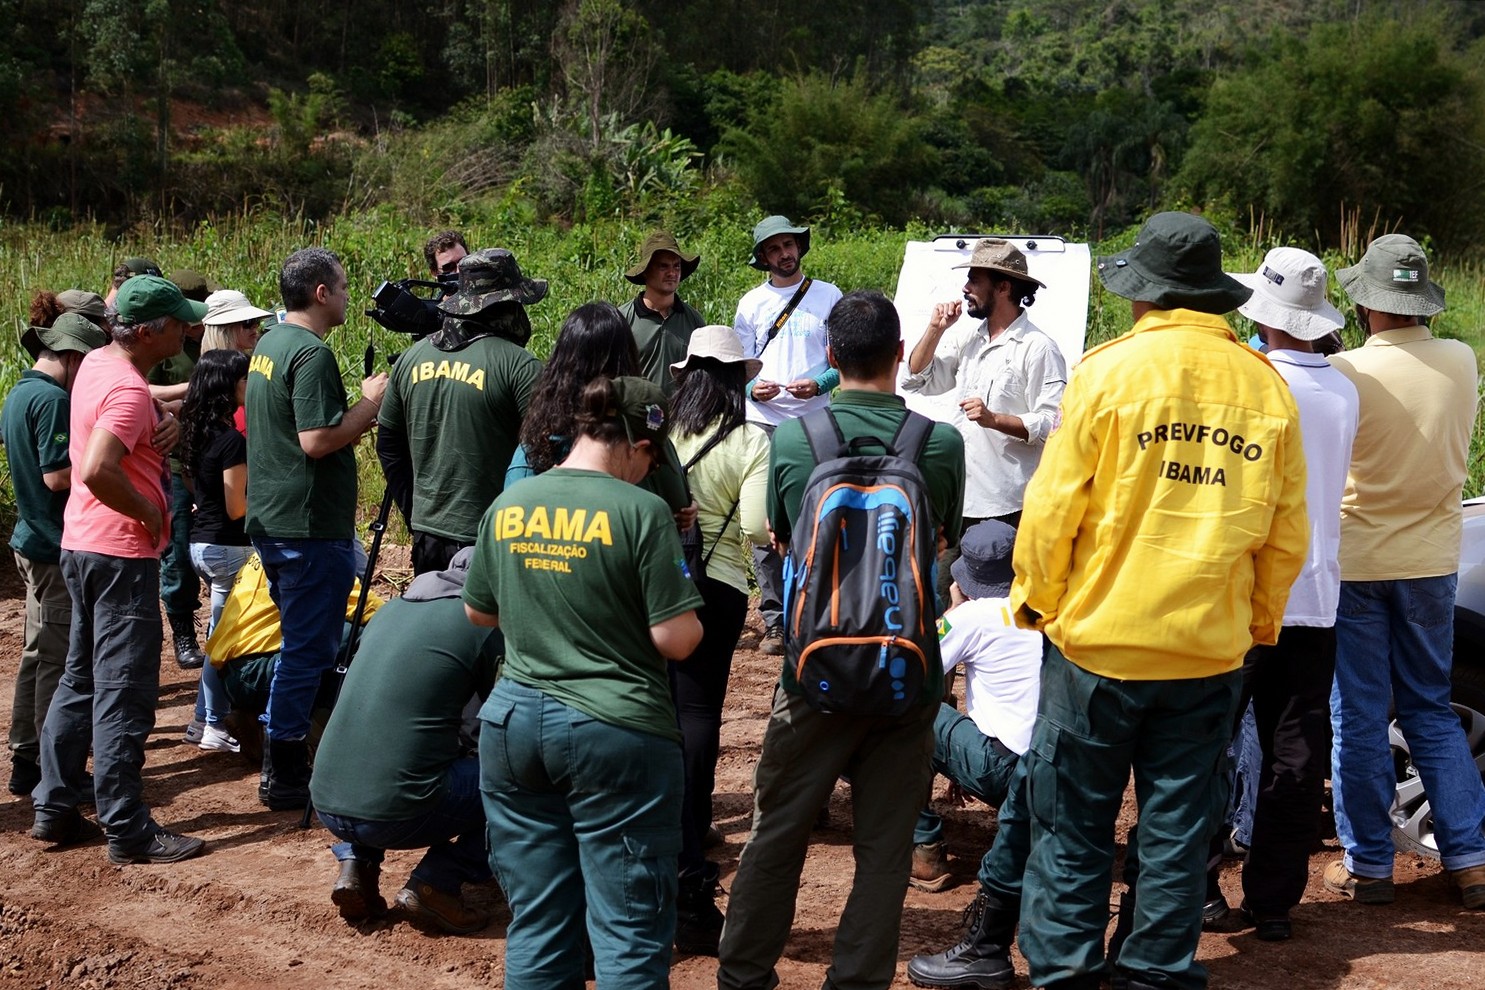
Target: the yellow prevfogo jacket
(1166, 523)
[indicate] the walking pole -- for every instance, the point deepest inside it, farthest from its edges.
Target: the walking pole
(378, 527)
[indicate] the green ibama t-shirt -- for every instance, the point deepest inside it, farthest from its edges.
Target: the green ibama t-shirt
(579, 565)
(293, 385)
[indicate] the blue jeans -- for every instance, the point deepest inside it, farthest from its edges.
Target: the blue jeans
(1394, 644)
(309, 581)
(178, 587)
(106, 698)
(453, 832)
(580, 812)
(981, 766)
(217, 564)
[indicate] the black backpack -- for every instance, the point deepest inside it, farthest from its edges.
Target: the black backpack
(859, 611)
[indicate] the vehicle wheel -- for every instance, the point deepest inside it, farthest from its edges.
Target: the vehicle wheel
(1411, 817)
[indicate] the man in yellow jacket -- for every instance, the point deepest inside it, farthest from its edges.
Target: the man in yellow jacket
(1161, 535)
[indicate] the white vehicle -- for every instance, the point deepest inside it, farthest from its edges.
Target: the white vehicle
(1412, 820)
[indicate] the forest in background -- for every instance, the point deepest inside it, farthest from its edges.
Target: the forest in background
(1059, 116)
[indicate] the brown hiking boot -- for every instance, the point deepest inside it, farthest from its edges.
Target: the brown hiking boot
(930, 867)
(772, 642)
(1471, 884)
(1362, 890)
(429, 908)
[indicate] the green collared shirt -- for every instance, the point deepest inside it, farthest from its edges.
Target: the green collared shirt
(661, 340)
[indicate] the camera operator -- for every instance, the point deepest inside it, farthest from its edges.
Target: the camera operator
(444, 251)
(453, 410)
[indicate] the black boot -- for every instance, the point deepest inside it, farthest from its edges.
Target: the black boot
(183, 636)
(25, 774)
(284, 785)
(982, 959)
(698, 923)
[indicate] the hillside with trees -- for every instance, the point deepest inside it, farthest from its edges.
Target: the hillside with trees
(1065, 116)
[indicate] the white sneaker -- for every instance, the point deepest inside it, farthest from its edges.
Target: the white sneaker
(217, 740)
(194, 730)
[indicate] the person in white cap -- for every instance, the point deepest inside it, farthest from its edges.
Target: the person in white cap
(1289, 682)
(1401, 526)
(232, 323)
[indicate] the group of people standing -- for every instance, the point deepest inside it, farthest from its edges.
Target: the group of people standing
(1128, 554)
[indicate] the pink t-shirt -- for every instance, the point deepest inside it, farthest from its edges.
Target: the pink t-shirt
(111, 395)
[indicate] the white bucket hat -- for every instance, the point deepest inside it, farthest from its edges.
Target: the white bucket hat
(226, 306)
(1289, 295)
(719, 343)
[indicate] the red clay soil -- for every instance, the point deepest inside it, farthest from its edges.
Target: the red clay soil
(255, 910)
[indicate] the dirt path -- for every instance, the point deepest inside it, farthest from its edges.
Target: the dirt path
(255, 911)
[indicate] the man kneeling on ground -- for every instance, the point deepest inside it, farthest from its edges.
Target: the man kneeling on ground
(978, 749)
(391, 771)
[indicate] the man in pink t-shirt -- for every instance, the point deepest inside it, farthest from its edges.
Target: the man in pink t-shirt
(116, 523)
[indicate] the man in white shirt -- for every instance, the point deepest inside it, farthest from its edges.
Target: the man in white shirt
(978, 749)
(1290, 682)
(1009, 376)
(782, 324)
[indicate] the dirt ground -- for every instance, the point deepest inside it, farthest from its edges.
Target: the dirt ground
(255, 910)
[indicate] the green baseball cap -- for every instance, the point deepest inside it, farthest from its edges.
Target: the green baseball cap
(772, 227)
(1393, 278)
(69, 332)
(642, 408)
(1176, 262)
(149, 297)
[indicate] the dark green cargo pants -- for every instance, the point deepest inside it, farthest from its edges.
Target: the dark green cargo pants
(1091, 732)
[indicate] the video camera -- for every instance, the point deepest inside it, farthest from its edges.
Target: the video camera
(402, 309)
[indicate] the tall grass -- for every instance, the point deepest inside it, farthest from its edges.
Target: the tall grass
(582, 262)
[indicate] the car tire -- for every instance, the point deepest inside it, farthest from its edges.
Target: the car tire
(1411, 816)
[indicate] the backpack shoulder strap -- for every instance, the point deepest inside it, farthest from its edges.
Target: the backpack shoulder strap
(823, 432)
(911, 438)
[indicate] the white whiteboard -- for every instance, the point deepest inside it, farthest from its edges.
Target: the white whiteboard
(928, 277)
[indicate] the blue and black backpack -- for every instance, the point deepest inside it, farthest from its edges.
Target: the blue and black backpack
(859, 579)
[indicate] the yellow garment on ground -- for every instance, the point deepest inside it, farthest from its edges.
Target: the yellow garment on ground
(1166, 523)
(250, 622)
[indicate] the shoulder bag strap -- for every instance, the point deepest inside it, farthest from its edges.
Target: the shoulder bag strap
(783, 317)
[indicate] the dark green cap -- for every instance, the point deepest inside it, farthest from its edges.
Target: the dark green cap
(149, 297)
(642, 408)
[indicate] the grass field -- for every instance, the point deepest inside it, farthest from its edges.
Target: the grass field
(582, 263)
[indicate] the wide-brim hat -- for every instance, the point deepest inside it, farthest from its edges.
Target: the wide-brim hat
(193, 284)
(148, 297)
(661, 240)
(719, 343)
(490, 276)
(226, 306)
(983, 569)
(1392, 277)
(1289, 295)
(142, 266)
(1176, 262)
(997, 254)
(69, 332)
(772, 227)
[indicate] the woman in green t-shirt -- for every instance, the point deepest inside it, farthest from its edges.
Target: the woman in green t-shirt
(580, 757)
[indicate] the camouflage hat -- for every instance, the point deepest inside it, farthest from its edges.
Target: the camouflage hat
(1392, 277)
(772, 227)
(84, 303)
(70, 332)
(661, 240)
(997, 254)
(491, 276)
